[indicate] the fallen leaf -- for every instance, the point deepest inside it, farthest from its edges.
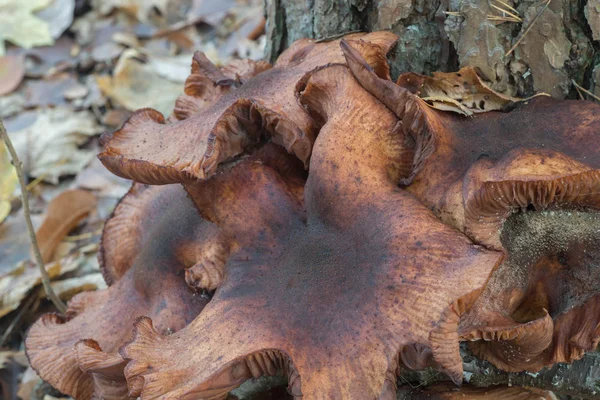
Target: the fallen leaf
(29, 381)
(58, 15)
(14, 287)
(135, 85)
(10, 370)
(49, 91)
(19, 26)
(14, 243)
(12, 71)
(141, 9)
(68, 288)
(48, 143)
(64, 213)
(105, 184)
(11, 104)
(116, 117)
(175, 68)
(463, 92)
(8, 182)
(46, 60)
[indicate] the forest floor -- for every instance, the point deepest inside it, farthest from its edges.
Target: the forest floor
(69, 71)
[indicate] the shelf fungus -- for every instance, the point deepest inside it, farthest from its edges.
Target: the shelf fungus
(152, 236)
(525, 182)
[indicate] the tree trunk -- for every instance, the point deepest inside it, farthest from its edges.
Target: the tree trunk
(555, 49)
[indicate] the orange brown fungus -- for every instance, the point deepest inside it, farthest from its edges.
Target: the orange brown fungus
(526, 182)
(159, 233)
(225, 112)
(329, 280)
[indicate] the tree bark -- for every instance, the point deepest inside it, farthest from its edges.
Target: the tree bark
(443, 35)
(555, 47)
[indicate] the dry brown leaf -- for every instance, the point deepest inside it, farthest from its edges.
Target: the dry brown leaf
(12, 71)
(463, 92)
(105, 184)
(136, 85)
(14, 287)
(12, 363)
(141, 9)
(8, 182)
(68, 288)
(45, 60)
(64, 213)
(58, 15)
(49, 91)
(19, 26)
(48, 141)
(14, 243)
(29, 381)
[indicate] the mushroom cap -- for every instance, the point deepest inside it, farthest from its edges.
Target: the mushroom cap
(328, 288)
(216, 120)
(76, 352)
(538, 164)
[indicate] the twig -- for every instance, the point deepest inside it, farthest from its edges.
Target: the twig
(24, 308)
(513, 15)
(581, 89)
(24, 197)
(336, 36)
(528, 28)
(508, 6)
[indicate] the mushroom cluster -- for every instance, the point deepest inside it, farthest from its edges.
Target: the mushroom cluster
(343, 228)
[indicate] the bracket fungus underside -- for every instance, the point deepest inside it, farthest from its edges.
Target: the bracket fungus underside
(347, 230)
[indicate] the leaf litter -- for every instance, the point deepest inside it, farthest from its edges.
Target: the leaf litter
(70, 70)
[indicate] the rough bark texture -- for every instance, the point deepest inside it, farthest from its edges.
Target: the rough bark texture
(442, 35)
(560, 48)
(579, 380)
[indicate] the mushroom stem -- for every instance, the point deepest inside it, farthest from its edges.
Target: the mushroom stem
(36, 250)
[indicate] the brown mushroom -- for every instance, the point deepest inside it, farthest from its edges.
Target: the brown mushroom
(219, 117)
(526, 182)
(330, 280)
(152, 236)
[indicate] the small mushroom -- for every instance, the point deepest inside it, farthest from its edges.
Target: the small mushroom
(329, 279)
(525, 182)
(219, 117)
(152, 236)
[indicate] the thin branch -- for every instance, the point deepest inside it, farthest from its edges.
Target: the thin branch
(36, 250)
(581, 89)
(528, 28)
(513, 15)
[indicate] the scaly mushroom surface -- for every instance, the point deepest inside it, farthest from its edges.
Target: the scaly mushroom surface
(525, 182)
(152, 236)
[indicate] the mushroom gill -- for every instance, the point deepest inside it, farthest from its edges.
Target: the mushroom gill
(152, 236)
(525, 182)
(330, 279)
(219, 117)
